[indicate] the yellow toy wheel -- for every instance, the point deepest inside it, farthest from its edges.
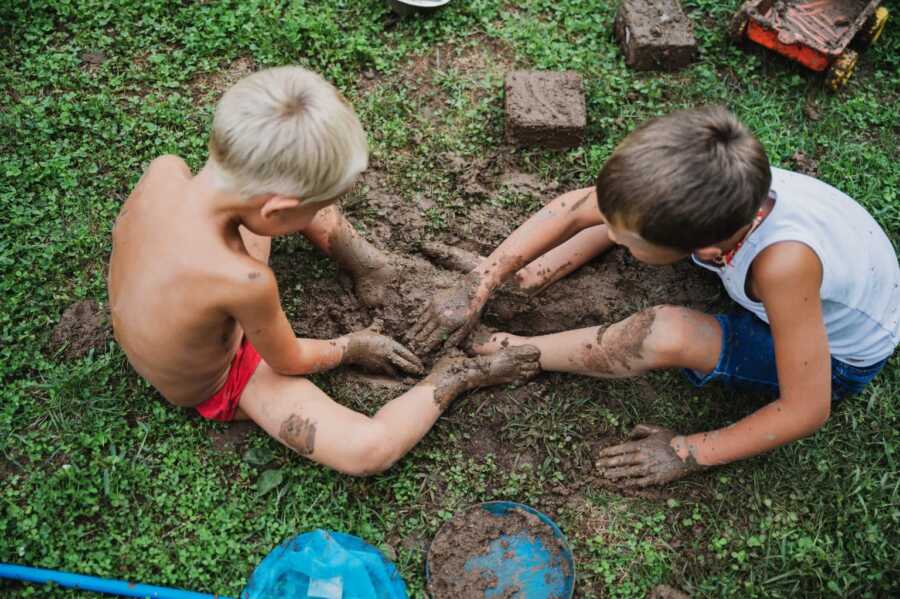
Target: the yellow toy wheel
(841, 70)
(873, 27)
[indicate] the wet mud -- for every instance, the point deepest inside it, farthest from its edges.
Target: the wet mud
(602, 292)
(83, 327)
(469, 534)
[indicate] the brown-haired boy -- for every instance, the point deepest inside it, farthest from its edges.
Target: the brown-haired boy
(196, 308)
(816, 277)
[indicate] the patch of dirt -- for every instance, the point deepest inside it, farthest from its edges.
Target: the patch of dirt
(666, 592)
(804, 164)
(606, 290)
(480, 57)
(232, 437)
(83, 327)
(216, 82)
(472, 533)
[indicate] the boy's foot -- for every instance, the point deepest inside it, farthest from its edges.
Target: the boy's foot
(451, 258)
(454, 375)
(486, 341)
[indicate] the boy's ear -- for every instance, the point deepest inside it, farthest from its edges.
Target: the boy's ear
(276, 203)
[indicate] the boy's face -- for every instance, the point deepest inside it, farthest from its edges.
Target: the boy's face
(642, 249)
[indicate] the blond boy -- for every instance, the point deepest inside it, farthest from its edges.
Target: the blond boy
(196, 307)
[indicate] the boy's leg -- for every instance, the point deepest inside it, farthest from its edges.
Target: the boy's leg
(370, 268)
(302, 417)
(659, 337)
(541, 272)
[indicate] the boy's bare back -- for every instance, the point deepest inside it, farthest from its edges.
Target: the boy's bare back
(173, 270)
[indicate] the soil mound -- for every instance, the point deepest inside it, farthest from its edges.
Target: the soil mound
(83, 327)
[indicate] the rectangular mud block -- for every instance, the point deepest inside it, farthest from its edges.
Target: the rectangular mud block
(655, 35)
(545, 108)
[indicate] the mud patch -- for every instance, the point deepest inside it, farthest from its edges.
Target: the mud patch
(472, 533)
(804, 164)
(545, 108)
(214, 83)
(83, 327)
(664, 591)
(655, 34)
(232, 437)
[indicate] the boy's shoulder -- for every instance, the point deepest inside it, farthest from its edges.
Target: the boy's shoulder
(169, 162)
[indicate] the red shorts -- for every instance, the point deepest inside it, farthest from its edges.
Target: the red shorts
(224, 403)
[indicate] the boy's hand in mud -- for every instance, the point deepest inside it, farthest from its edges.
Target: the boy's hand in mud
(449, 317)
(648, 459)
(373, 351)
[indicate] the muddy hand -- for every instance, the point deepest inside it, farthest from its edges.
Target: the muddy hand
(449, 317)
(648, 459)
(373, 351)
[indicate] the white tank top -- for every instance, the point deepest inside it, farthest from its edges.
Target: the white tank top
(860, 279)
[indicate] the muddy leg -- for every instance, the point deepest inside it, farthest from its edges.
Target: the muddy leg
(370, 268)
(660, 337)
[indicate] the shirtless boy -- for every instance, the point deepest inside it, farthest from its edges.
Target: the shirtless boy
(196, 308)
(816, 278)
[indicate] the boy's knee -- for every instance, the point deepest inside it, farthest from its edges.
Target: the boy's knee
(371, 452)
(669, 332)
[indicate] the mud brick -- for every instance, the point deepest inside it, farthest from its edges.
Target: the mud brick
(655, 35)
(545, 108)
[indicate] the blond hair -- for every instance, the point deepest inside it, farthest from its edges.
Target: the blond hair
(287, 131)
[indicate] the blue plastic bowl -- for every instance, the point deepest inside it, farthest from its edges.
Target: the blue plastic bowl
(531, 568)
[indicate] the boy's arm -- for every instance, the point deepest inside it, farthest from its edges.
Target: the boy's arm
(257, 307)
(455, 312)
(787, 277)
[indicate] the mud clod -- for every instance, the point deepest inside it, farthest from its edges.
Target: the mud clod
(655, 35)
(83, 327)
(545, 108)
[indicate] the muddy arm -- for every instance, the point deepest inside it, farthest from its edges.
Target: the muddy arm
(552, 225)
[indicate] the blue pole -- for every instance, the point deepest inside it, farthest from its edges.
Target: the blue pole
(98, 585)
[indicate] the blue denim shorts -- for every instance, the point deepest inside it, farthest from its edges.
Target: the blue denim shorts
(747, 360)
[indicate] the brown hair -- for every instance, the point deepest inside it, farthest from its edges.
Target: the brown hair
(686, 180)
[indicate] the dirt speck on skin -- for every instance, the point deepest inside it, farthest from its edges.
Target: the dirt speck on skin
(470, 533)
(83, 327)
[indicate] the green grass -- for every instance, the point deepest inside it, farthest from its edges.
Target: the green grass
(100, 476)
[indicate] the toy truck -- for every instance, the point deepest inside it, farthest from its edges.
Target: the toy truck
(816, 33)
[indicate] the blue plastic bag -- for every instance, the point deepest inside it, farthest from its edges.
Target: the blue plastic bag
(325, 565)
